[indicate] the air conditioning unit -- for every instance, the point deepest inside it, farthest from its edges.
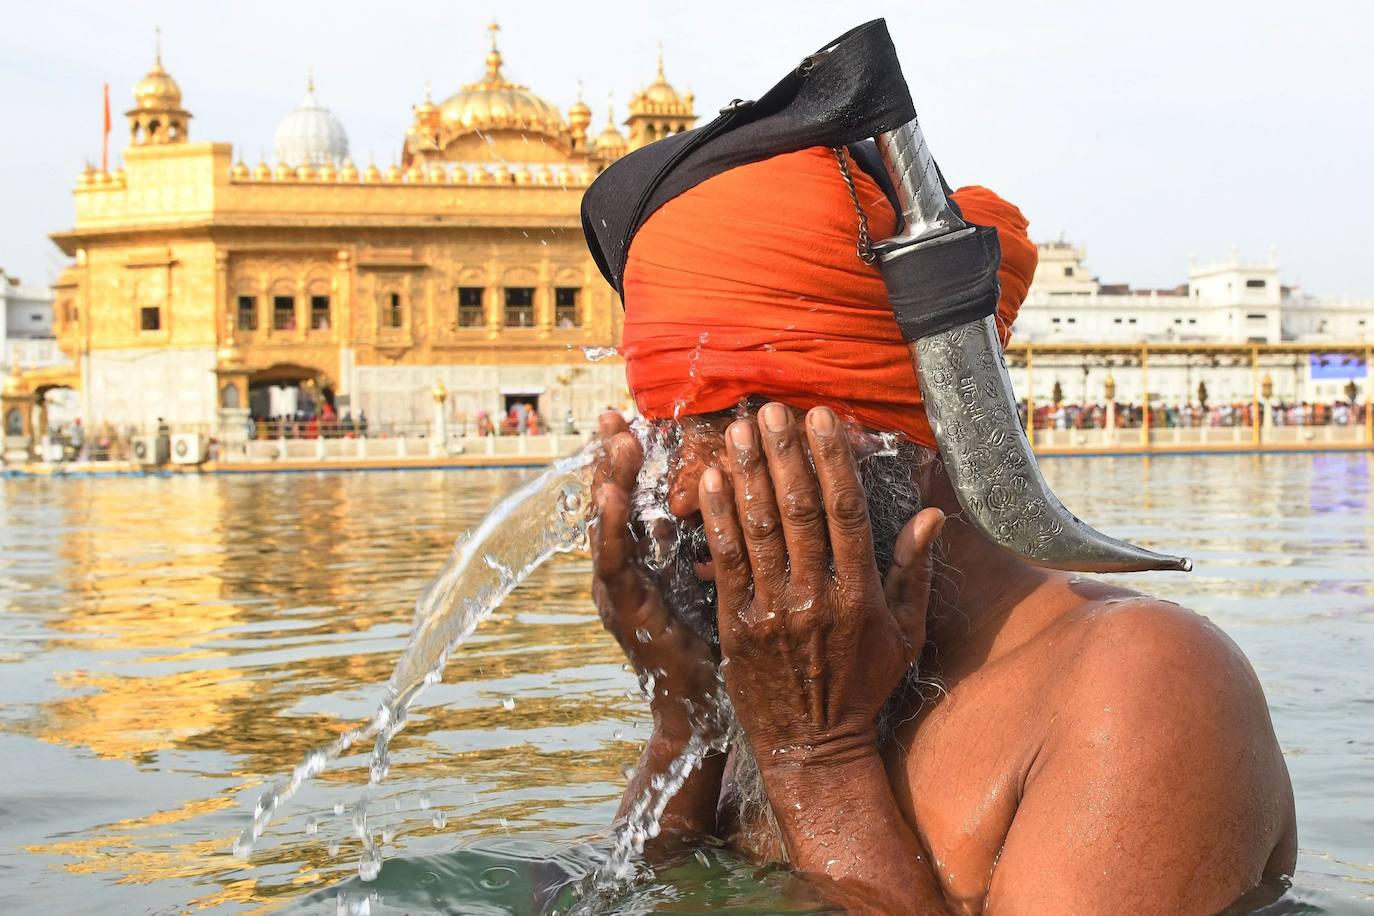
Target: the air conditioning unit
(188, 448)
(144, 450)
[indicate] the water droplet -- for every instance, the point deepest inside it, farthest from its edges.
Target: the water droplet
(424, 801)
(617, 734)
(440, 820)
(332, 848)
(338, 808)
(312, 824)
(701, 858)
(388, 834)
(508, 703)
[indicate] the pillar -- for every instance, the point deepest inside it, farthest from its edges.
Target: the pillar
(1145, 398)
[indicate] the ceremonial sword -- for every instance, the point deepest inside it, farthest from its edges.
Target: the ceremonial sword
(941, 276)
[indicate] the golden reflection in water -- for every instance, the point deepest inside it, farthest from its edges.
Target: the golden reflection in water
(219, 612)
(205, 633)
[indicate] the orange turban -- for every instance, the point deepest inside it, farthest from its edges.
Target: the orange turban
(749, 284)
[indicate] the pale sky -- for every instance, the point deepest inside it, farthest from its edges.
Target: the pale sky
(1148, 132)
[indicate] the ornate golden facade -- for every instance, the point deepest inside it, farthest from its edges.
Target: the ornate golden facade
(199, 280)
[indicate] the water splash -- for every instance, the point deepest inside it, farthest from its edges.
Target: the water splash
(515, 539)
(597, 354)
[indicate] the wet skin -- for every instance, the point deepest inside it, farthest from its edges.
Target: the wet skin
(1094, 751)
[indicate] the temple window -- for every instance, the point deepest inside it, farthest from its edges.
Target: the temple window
(248, 313)
(150, 318)
(519, 307)
(470, 311)
(567, 307)
(319, 313)
(393, 315)
(283, 313)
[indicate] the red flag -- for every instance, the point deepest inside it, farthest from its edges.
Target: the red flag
(105, 134)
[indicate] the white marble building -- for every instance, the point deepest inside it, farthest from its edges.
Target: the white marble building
(26, 325)
(1230, 301)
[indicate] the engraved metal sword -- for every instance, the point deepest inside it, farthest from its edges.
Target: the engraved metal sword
(941, 275)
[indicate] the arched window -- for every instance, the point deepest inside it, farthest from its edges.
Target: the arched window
(229, 397)
(154, 128)
(14, 422)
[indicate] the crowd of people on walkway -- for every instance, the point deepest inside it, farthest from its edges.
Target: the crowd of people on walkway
(1171, 416)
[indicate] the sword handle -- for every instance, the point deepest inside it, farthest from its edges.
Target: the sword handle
(926, 211)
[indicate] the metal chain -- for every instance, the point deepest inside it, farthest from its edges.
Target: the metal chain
(865, 246)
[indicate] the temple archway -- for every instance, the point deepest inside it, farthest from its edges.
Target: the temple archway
(289, 390)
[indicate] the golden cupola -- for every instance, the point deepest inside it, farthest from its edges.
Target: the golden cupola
(157, 116)
(579, 119)
(610, 143)
(658, 110)
(491, 120)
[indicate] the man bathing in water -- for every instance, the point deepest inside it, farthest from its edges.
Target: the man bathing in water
(925, 723)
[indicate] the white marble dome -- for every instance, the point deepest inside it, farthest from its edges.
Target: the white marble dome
(310, 135)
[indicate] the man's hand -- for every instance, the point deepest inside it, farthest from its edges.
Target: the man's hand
(667, 654)
(812, 653)
(813, 644)
(680, 665)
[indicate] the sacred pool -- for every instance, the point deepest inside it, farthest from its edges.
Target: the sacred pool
(173, 645)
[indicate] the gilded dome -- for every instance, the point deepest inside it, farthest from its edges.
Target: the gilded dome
(610, 142)
(310, 135)
(157, 90)
(660, 93)
(494, 102)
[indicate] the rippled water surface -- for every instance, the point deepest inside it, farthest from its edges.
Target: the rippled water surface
(168, 644)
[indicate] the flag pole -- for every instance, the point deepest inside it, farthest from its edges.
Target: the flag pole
(105, 134)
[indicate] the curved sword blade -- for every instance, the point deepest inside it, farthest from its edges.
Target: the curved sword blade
(969, 400)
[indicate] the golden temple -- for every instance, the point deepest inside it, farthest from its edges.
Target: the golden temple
(199, 281)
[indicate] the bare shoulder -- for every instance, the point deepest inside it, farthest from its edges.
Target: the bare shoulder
(1160, 760)
(1151, 656)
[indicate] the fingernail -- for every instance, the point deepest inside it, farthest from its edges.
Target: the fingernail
(712, 480)
(774, 417)
(742, 434)
(822, 421)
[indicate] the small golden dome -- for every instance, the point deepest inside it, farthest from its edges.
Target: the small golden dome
(610, 140)
(305, 172)
(239, 172)
(349, 173)
(157, 91)
(372, 174)
(413, 175)
(660, 91)
(283, 172)
(327, 173)
(458, 175)
(262, 172)
(496, 102)
(580, 114)
(394, 174)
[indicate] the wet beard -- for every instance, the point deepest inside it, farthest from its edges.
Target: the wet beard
(889, 482)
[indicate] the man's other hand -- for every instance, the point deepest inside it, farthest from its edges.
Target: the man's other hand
(680, 665)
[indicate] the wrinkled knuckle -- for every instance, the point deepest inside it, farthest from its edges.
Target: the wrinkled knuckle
(729, 552)
(849, 508)
(759, 523)
(831, 450)
(801, 508)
